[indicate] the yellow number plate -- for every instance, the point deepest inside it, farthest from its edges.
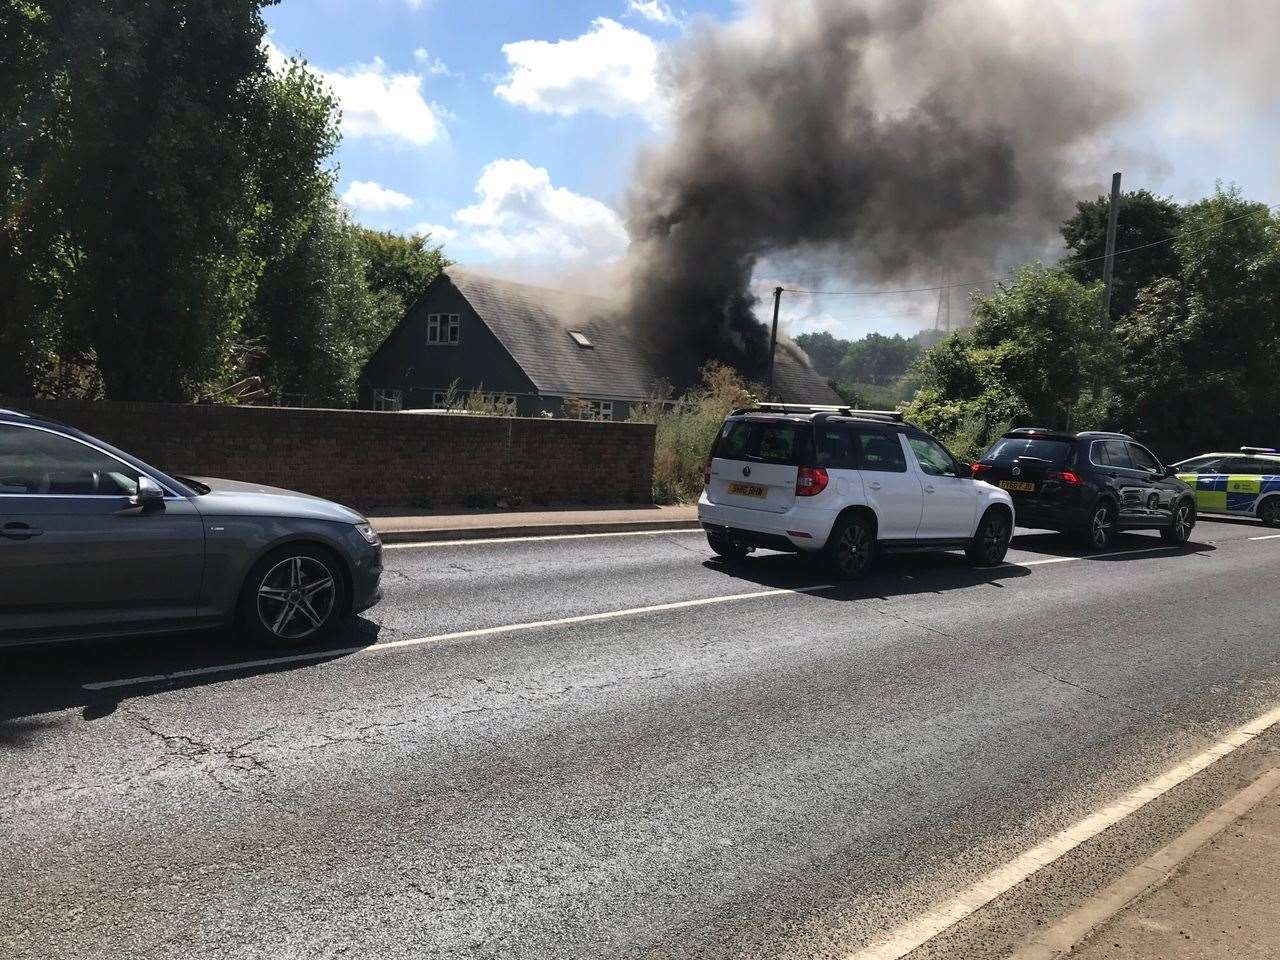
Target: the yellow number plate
(749, 490)
(1019, 486)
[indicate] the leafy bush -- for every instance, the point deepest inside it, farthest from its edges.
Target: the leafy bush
(687, 426)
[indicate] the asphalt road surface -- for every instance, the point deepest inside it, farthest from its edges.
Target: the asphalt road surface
(618, 747)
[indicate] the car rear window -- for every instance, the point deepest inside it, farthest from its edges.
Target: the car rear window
(1009, 449)
(766, 441)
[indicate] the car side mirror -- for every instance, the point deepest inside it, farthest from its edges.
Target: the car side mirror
(150, 496)
(964, 471)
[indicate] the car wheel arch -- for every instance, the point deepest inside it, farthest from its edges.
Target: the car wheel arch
(1265, 498)
(862, 510)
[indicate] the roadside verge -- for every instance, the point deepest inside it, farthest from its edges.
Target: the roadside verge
(426, 527)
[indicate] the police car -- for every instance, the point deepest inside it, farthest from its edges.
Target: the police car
(1244, 484)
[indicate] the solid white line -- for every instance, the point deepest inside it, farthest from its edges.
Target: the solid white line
(901, 941)
(1274, 536)
(421, 544)
(444, 637)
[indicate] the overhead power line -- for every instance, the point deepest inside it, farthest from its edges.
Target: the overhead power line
(1005, 276)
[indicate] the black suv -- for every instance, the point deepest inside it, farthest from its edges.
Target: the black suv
(1089, 483)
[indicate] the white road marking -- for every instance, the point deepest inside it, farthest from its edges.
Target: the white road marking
(444, 637)
(1274, 536)
(901, 941)
(423, 544)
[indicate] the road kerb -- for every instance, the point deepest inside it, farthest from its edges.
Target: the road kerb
(1068, 932)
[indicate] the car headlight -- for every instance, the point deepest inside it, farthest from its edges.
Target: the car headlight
(370, 535)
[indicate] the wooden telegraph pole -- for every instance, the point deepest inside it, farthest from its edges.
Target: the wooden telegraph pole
(1108, 266)
(773, 340)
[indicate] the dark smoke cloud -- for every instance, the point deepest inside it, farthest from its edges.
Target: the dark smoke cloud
(894, 137)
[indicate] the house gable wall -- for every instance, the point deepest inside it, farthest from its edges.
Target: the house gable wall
(406, 362)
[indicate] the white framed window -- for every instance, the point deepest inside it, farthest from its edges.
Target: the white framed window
(387, 398)
(444, 329)
(599, 410)
(439, 399)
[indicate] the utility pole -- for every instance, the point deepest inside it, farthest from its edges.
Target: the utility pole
(1108, 266)
(773, 340)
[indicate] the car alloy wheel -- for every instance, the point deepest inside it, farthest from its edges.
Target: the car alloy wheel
(854, 549)
(1101, 526)
(993, 538)
(1270, 512)
(296, 597)
(1180, 531)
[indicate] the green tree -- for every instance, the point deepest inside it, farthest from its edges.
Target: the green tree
(398, 268)
(1146, 224)
(1032, 357)
(878, 359)
(1198, 351)
(826, 351)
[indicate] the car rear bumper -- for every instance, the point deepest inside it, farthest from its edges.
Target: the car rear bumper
(803, 528)
(1052, 517)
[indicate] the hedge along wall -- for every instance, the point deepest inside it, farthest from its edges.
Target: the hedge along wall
(375, 460)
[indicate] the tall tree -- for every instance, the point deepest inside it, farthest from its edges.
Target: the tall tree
(1146, 226)
(825, 350)
(1199, 349)
(398, 268)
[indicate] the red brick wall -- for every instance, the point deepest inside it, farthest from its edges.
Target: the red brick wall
(376, 460)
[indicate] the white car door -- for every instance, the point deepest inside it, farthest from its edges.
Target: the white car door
(889, 486)
(950, 500)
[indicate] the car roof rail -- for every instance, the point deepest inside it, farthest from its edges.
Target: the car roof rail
(1112, 434)
(830, 410)
(1259, 450)
(14, 413)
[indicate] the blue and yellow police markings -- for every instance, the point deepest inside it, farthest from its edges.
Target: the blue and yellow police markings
(1230, 493)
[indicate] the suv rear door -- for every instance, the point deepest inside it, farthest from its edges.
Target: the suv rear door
(755, 461)
(890, 490)
(1030, 469)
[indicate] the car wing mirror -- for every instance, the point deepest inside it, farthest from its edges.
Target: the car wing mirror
(148, 499)
(964, 471)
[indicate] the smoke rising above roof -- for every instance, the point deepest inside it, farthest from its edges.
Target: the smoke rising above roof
(887, 137)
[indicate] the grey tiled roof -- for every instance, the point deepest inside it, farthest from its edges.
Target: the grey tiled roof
(533, 323)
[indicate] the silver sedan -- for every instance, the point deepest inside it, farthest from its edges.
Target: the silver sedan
(95, 543)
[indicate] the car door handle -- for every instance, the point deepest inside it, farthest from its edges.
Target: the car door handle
(874, 484)
(19, 531)
(929, 489)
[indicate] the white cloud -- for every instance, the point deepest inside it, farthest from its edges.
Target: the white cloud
(436, 231)
(433, 65)
(522, 217)
(655, 10)
(369, 197)
(376, 102)
(610, 69)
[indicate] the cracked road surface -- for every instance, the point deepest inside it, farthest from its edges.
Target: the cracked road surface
(787, 775)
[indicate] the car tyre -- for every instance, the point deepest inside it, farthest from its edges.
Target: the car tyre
(1269, 512)
(991, 541)
(293, 597)
(726, 549)
(1101, 529)
(851, 548)
(1179, 530)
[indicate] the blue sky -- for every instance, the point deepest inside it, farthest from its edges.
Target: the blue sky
(509, 128)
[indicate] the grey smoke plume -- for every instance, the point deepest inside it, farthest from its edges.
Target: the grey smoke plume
(892, 136)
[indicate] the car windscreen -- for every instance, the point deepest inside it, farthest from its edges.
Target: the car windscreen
(1009, 449)
(766, 441)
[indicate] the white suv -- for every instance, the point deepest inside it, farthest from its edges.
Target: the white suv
(847, 482)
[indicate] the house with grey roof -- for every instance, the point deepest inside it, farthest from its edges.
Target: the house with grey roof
(529, 348)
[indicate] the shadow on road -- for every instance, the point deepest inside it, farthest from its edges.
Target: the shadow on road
(892, 576)
(41, 680)
(1126, 546)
